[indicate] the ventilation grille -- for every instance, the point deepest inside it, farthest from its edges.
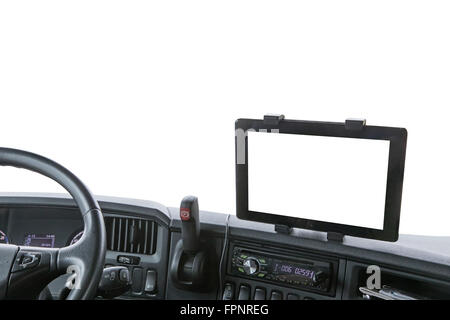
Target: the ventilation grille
(131, 235)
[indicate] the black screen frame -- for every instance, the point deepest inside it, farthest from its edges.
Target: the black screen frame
(396, 164)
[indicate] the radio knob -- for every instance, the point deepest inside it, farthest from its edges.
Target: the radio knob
(251, 266)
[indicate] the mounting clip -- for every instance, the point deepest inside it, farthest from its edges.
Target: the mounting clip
(273, 119)
(355, 124)
(281, 228)
(335, 236)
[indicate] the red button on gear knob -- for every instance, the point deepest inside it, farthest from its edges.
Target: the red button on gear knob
(185, 214)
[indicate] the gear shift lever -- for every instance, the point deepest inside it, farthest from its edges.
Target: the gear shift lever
(194, 263)
(190, 224)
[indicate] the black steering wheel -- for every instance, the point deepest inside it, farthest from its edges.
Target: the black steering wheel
(26, 271)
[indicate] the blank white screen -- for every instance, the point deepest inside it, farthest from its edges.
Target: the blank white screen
(340, 180)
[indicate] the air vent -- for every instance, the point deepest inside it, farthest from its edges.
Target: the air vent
(131, 235)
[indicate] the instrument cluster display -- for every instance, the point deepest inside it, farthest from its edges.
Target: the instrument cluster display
(39, 240)
(3, 237)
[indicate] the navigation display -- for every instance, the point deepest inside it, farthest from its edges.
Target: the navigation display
(339, 180)
(39, 240)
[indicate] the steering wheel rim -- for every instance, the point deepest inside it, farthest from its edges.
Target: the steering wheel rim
(86, 257)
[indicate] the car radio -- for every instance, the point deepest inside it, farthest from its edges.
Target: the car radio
(292, 271)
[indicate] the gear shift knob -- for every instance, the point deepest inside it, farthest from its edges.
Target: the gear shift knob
(190, 223)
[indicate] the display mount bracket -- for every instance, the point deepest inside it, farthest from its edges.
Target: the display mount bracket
(273, 119)
(335, 236)
(331, 236)
(355, 124)
(283, 229)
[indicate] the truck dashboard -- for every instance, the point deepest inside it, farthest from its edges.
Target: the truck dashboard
(248, 260)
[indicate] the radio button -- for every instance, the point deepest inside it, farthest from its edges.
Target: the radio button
(228, 293)
(319, 277)
(244, 292)
(281, 278)
(260, 294)
(275, 295)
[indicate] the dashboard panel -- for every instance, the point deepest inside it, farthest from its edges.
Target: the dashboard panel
(42, 226)
(254, 261)
(58, 223)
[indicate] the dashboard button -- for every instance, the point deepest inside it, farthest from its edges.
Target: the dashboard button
(319, 278)
(128, 260)
(275, 295)
(150, 281)
(124, 260)
(228, 292)
(260, 294)
(112, 275)
(124, 275)
(244, 292)
(137, 280)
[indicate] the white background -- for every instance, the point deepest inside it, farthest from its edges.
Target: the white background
(139, 98)
(320, 178)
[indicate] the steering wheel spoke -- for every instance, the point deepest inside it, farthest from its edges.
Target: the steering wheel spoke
(31, 270)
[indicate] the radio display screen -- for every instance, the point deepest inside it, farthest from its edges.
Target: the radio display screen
(292, 269)
(39, 240)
